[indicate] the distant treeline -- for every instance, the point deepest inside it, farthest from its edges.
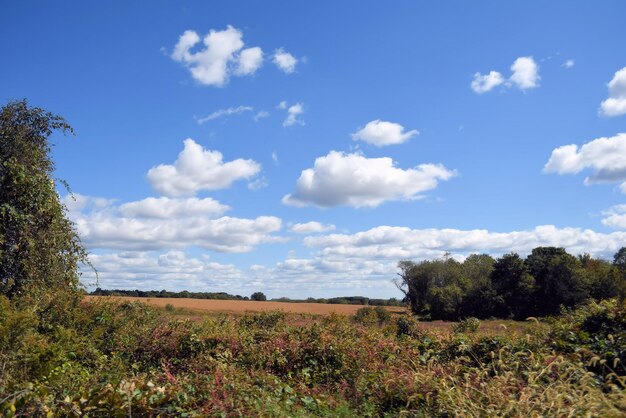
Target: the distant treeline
(510, 286)
(167, 294)
(346, 300)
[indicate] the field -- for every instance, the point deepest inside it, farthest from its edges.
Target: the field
(243, 306)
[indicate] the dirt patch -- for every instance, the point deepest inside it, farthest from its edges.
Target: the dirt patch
(242, 306)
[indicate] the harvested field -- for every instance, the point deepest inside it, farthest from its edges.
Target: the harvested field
(243, 306)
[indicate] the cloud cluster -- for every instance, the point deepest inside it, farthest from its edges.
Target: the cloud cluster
(165, 223)
(606, 157)
(354, 180)
(311, 228)
(172, 270)
(224, 56)
(615, 105)
(615, 217)
(198, 169)
(524, 75)
(380, 133)
(395, 243)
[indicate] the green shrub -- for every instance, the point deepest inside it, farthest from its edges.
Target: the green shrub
(467, 325)
(371, 316)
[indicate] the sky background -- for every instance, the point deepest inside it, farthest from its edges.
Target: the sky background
(325, 141)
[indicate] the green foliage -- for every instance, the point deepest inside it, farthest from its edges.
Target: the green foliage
(258, 296)
(370, 316)
(128, 359)
(509, 287)
(39, 248)
(467, 325)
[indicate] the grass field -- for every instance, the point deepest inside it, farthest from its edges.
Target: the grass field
(243, 306)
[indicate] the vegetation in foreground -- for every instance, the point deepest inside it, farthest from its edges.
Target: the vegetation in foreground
(61, 358)
(130, 359)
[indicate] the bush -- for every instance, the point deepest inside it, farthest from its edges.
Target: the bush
(370, 316)
(468, 325)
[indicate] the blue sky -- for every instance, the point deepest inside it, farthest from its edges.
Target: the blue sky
(417, 128)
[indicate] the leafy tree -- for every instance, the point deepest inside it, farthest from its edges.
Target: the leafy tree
(428, 285)
(558, 279)
(619, 261)
(480, 297)
(39, 248)
(258, 296)
(514, 287)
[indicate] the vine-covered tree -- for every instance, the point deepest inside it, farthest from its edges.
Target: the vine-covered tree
(39, 248)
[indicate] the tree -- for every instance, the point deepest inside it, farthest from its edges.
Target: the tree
(619, 261)
(258, 296)
(39, 249)
(559, 279)
(514, 287)
(480, 298)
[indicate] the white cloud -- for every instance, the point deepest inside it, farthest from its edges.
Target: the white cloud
(525, 73)
(225, 112)
(163, 223)
(568, 64)
(220, 58)
(282, 105)
(285, 61)
(606, 157)
(381, 133)
(249, 61)
(164, 207)
(293, 115)
(395, 243)
(198, 169)
(354, 180)
(171, 270)
(484, 83)
(615, 217)
(311, 227)
(275, 157)
(615, 105)
(260, 115)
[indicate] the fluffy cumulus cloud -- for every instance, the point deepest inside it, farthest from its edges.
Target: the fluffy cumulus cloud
(354, 180)
(221, 113)
(311, 227)
(395, 243)
(615, 105)
(222, 56)
(615, 217)
(294, 113)
(285, 61)
(381, 133)
(605, 157)
(250, 60)
(524, 75)
(199, 169)
(164, 208)
(165, 223)
(483, 83)
(172, 270)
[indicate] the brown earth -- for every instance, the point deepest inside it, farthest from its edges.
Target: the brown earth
(242, 306)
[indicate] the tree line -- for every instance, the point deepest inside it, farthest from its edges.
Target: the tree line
(257, 296)
(541, 284)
